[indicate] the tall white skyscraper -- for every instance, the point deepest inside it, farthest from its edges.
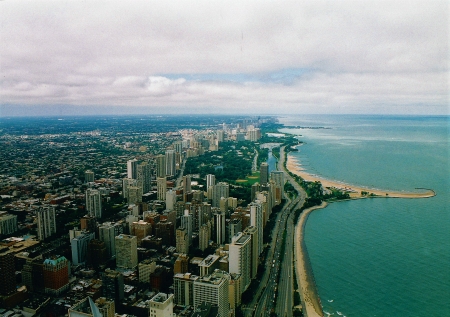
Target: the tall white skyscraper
(94, 203)
(256, 220)
(170, 163)
(161, 188)
(219, 228)
(171, 199)
(213, 289)
(220, 190)
(46, 222)
(240, 257)
(132, 168)
(220, 135)
(210, 180)
(186, 222)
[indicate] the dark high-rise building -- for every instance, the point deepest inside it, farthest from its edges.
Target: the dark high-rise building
(166, 231)
(144, 177)
(88, 223)
(113, 285)
(7, 272)
(33, 274)
(264, 173)
(255, 188)
(97, 253)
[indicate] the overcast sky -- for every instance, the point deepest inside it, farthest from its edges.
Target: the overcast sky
(261, 57)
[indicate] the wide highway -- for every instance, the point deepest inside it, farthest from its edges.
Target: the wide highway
(278, 275)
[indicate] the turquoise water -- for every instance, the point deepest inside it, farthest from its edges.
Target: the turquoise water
(380, 257)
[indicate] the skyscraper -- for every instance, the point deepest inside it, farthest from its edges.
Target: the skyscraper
(254, 258)
(144, 177)
(186, 186)
(210, 180)
(264, 173)
(97, 254)
(79, 247)
(126, 251)
(220, 190)
(171, 199)
(132, 168)
(46, 222)
(234, 227)
(107, 233)
(113, 285)
(186, 222)
(161, 188)
(8, 224)
(182, 243)
(141, 229)
(256, 187)
(256, 220)
(183, 286)
(240, 257)
(213, 289)
(160, 166)
(7, 272)
(204, 236)
(94, 203)
(220, 135)
(278, 178)
(56, 275)
(219, 228)
(134, 195)
(89, 176)
(170, 163)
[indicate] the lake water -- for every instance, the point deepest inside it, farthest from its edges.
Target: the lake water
(380, 257)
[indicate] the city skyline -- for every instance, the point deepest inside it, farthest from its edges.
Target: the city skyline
(81, 58)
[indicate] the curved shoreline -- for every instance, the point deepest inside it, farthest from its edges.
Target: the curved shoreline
(355, 192)
(309, 296)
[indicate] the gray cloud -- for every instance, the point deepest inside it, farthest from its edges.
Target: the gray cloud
(365, 56)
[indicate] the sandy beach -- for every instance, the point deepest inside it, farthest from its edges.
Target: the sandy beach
(305, 278)
(354, 191)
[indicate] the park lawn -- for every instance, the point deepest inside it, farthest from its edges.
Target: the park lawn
(250, 179)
